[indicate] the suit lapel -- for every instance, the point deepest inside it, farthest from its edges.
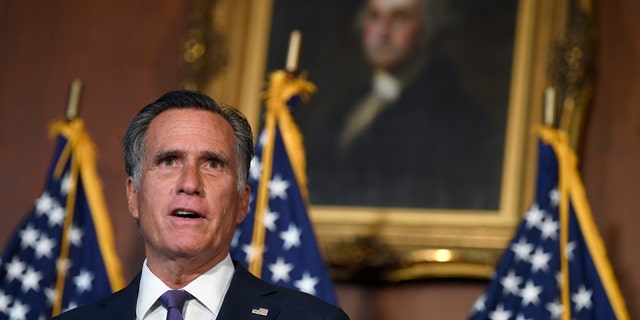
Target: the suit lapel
(249, 298)
(122, 304)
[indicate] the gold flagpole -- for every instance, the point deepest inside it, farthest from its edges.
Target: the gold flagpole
(294, 51)
(271, 117)
(74, 99)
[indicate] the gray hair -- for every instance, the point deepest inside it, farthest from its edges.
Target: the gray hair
(135, 134)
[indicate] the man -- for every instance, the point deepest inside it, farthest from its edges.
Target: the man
(410, 136)
(188, 159)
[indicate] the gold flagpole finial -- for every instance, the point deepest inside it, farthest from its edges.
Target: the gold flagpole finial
(74, 99)
(294, 51)
(549, 106)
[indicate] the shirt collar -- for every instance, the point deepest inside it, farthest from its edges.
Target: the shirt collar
(209, 288)
(386, 86)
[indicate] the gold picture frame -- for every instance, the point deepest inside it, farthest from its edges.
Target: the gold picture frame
(391, 244)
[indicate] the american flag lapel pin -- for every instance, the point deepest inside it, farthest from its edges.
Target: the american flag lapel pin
(260, 311)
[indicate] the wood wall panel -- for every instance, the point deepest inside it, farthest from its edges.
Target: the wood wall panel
(126, 53)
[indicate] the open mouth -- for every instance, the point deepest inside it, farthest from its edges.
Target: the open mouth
(186, 214)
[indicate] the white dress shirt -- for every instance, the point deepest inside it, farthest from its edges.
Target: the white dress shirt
(208, 289)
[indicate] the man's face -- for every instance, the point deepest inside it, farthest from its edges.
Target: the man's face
(188, 204)
(390, 31)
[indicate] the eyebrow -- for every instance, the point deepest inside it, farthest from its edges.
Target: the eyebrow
(208, 155)
(167, 154)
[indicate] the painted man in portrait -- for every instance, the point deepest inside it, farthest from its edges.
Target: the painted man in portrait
(409, 136)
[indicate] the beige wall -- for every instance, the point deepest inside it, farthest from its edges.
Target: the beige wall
(128, 53)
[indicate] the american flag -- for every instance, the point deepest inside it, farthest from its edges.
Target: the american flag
(62, 254)
(281, 247)
(533, 280)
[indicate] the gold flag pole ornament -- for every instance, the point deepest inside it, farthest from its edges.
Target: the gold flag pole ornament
(283, 86)
(293, 54)
(74, 99)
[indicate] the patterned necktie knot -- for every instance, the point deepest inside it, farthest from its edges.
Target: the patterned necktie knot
(174, 301)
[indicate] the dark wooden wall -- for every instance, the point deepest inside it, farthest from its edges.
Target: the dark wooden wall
(128, 53)
(611, 149)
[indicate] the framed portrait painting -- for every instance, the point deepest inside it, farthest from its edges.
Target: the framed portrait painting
(419, 138)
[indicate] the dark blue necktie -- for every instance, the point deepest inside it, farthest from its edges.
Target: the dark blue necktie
(174, 301)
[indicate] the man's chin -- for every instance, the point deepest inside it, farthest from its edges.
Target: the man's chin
(384, 63)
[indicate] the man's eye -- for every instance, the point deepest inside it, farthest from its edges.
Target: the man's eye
(168, 162)
(214, 164)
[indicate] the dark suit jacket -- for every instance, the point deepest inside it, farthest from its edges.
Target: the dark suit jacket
(432, 148)
(245, 293)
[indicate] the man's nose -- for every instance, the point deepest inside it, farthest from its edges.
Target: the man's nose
(381, 27)
(190, 181)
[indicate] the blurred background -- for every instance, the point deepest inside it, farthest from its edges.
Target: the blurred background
(128, 53)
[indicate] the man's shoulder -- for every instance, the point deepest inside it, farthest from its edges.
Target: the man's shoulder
(288, 302)
(118, 305)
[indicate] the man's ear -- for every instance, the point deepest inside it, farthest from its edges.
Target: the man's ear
(132, 198)
(244, 203)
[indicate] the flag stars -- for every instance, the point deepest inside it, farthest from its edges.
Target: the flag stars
(63, 264)
(280, 270)
(500, 313)
(307, 283)
(75, 236)
(66, 184)
(44, 247)
(511, 282)
(291, 237)
(559, 279)
(522, 250)
(480, 303)
(28, 237)
(44, 203)
(554, 197)
(278, 188)
(252, 252)
(56, 216)
(269, 220)
(83, 281)
(540, 260)
(534, 216)
(555, 308)
(5, 301)
(15, 268)
(72, 305)
(236, 237)
(18, 311)
(530, 293)
(582, 298)
(31, 280)
(569, 249)
(252, 198)
(50, 294)
(532, 277)
(549, 229)
(255, 168)
(262, 139)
